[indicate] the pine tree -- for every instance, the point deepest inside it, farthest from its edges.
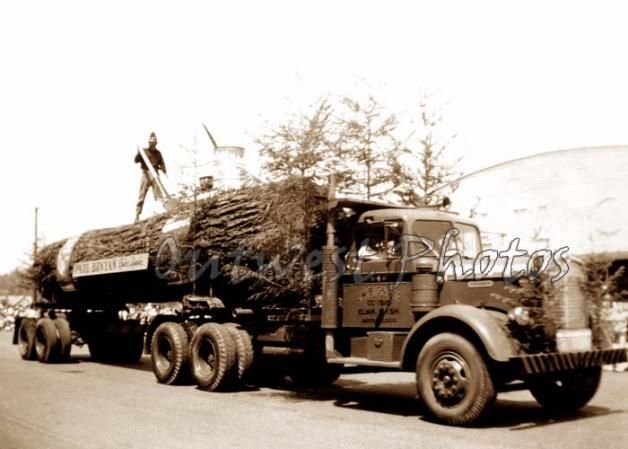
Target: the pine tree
(422, 170)
(366, 145)
(300, 147)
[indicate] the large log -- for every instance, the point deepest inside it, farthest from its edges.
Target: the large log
(240, 245)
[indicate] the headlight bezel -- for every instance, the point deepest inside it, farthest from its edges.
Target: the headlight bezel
(521, 316)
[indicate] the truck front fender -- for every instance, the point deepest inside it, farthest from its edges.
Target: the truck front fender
(485, 328)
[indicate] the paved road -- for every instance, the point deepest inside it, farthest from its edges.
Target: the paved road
(90, 405)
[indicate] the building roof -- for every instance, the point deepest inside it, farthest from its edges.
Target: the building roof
(571, 152)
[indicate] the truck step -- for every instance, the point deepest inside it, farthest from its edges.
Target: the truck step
(363, 361)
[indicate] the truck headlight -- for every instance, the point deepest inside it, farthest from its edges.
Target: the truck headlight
(520, 315)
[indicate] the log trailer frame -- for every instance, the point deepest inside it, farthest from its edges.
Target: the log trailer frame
(380, 308)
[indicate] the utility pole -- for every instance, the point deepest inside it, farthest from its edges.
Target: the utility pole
(35, 250)
(194, 203)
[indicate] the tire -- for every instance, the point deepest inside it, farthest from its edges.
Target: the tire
(566, 391)
(170, 354)
(26, 339)
(214, 357)
(453, 380)
(46, 341)
(64, 335)
(244, 351)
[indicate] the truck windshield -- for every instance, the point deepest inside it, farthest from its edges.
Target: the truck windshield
(468, 240)
(431, 237)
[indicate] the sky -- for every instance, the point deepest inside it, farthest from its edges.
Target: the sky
(82, 84)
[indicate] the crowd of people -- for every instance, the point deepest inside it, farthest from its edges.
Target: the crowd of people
(10, 307)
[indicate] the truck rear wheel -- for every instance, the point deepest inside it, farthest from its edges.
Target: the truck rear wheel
(566, 391)
(170, 354)
(26, 339)
(453, 380)
(64, 335)
(244, 350)
(46, 341)
(214, 357)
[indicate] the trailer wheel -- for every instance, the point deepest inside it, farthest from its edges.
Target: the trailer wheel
(214, 356)
(26, 339)
(46, 341)
(244, 350)
(170, 354)
(453, 380)
(64, 335)
(567, 391)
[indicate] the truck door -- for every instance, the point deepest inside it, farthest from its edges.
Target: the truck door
(374, 294)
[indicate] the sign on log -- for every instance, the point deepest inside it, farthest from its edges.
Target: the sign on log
(121, 264)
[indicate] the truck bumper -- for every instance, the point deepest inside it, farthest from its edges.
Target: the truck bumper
(564, 361)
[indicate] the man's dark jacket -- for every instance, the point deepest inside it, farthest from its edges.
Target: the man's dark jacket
(155, 158)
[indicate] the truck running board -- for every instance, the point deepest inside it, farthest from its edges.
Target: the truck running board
(363, 361)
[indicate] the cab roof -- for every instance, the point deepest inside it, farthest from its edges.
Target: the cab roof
(380, 211)
(410, 214)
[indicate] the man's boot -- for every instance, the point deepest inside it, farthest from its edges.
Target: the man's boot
(138, 211)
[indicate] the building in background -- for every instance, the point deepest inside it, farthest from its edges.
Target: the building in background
(210, 168)
(226, 166)
(576, 198)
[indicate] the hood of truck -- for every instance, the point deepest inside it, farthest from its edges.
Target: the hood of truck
(489, 293)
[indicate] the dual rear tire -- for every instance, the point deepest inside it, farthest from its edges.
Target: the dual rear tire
(47, 340)
(170, 354)
(217, 358)
(26, 339)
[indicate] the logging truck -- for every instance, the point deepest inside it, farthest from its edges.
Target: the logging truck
(384, 302)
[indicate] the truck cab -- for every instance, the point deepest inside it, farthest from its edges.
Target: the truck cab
(392, 277)
(400, 292)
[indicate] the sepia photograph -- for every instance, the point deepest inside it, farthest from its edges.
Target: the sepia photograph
(313, 224)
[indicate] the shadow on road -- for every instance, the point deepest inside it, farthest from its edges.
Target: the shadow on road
(523, 415)
(143, 365)
(400, 399)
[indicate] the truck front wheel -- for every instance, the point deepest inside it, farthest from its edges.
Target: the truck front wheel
(453, 380)
(566, 391)
(170, 354)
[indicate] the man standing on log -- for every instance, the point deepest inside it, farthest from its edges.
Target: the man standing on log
(157, 161)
